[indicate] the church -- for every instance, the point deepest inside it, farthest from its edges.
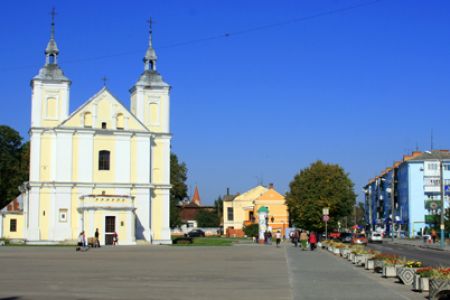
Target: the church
(102, 166)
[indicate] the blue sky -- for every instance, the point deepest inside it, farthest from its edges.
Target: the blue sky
(358, 87)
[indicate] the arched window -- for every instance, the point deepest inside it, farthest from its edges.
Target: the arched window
(119, 121)
(52, 106)
(103, 160)
(88, 119)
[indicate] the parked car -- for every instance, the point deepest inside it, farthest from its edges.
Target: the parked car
(346, 237)
(196, 233)
(359, 239)
(376, 237)
(334, 235)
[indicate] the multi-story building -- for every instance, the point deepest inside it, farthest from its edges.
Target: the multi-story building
(410, 191)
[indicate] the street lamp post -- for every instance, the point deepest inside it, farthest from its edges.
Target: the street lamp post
(442, 244)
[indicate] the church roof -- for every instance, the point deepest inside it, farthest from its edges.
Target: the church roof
(51, 72)
(196, 197)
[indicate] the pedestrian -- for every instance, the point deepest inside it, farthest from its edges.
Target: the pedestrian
(115, 238)
(312, 240)
(433, 235)
(81, 242)
(296, 237)
(269, 237)
(278, 238)
(97, 240)
(303, 240)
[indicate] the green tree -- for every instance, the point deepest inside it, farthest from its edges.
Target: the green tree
(207, 218)
(218, 206)
(14, 162)
(178, 176)
(318, 186)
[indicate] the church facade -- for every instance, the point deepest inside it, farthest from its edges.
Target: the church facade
(102, 166)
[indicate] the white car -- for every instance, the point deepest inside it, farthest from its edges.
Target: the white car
(376, 237)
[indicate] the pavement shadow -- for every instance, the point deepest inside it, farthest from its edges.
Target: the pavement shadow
(11, 298)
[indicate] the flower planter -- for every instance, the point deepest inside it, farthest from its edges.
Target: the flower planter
(406, 275)
(336, 251)
(390, 271)
(351, 256)
(360, 259)
(416, 283)
(378, 266)
(438, 288)
(369, 265)
(424, 284)
(344, 252)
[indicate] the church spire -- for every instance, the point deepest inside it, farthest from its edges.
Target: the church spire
(51, 52)
(150, 56)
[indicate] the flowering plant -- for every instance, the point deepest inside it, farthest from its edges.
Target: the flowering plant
(413, 264)
(425, 272)
(441, 273)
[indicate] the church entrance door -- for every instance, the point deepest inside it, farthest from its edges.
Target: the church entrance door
(110, 228)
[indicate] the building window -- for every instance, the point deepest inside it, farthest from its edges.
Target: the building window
(446, 167)
(103, 160)
(433, 166)
(63, 215)
(13, 225)
(119, 121)
(230, 214)
(104, 125)
(87, 120)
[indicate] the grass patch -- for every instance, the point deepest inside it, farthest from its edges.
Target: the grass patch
(210, 241)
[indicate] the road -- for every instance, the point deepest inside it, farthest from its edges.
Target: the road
(426, 256)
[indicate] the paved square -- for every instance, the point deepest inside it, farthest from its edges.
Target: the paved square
(144, 272)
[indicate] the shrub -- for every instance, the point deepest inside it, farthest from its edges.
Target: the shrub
(251, 230)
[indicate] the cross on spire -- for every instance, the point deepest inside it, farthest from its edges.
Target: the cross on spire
(53, 14)
(150, 25)
(104, 79)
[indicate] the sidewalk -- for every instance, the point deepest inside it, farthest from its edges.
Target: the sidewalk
(321, 275)
(417, 243)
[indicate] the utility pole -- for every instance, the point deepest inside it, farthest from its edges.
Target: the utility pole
(442, 205)
(392, 201)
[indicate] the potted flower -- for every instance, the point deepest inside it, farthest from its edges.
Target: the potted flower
(407, 272)
(439, 283)
(369, 263)
(337, 248)
(378, 261)
(422, 279)
(390, 266)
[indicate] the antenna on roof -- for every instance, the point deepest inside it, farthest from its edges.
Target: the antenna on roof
(431, 139)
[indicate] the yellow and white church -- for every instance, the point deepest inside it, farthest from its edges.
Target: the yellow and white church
(102, 166)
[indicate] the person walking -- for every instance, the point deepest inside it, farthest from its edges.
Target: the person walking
(97, 240)
(312, 240)
(115, 239)
(81, 242)
(303, 239)
(295, 237)
(433, 235)
(278, 238)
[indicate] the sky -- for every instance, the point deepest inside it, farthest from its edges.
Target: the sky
(260, 89)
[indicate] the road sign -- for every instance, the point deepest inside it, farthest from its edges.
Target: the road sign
(325, 211)
(326, 218)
